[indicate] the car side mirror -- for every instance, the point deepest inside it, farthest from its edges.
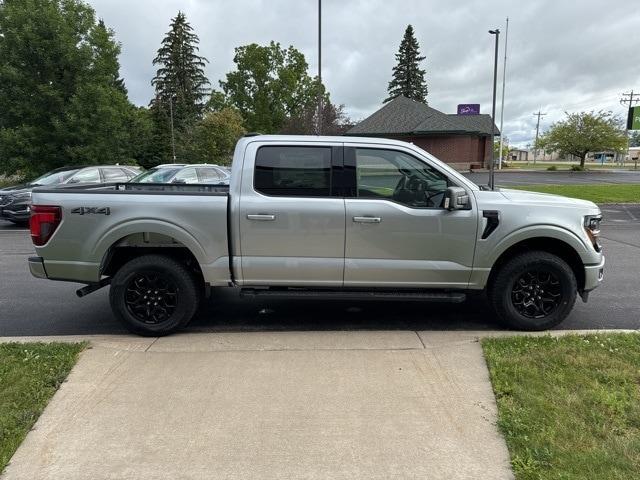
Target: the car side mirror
(456, 198)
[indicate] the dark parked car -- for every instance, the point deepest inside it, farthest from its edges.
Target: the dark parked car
(185, 173)
(15, 201)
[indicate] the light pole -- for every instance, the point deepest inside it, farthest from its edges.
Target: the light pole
(495, 32)
(319, 67)
(504, 79)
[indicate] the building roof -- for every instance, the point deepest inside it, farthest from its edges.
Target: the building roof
(403, 116)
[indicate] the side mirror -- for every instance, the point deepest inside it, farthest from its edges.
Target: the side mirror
(456, 198)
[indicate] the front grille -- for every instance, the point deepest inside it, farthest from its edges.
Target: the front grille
(5, 200)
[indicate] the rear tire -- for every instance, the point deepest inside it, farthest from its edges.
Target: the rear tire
(154, 295)
(533, 291)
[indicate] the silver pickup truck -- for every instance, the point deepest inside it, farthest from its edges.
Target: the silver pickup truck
(317, 217)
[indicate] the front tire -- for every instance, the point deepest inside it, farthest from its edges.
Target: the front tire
(533, 291)
(154, 295)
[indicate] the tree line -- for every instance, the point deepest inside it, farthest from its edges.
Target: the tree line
(63, 102)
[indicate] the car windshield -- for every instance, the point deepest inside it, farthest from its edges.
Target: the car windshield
(156, 175)
(54, 178)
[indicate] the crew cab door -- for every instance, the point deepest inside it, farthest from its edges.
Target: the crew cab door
(291, 221)
(397, 232)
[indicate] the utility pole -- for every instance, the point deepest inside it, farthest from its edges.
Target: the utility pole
(504, 77)
(319, 67)
(628, 98)
(495, 32)
(173, 140)
(535, 146)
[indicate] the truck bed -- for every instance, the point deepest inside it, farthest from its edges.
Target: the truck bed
(98, 219)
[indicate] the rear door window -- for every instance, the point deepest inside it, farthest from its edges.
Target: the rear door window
(293, 171)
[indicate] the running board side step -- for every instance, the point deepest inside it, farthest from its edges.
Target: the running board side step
(423, 296)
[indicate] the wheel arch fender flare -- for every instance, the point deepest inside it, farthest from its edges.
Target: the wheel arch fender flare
(114, 236)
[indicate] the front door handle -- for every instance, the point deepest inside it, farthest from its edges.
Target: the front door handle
(261, 217)
(367, 219)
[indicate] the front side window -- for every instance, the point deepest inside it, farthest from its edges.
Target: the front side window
(186, 175)
(89, 175)
(293, 171)
(399, 177)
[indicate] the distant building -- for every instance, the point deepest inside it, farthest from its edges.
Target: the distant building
(463, 141)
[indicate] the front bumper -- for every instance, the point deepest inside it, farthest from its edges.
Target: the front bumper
(593, 276)
(36, 267)
(16, 213)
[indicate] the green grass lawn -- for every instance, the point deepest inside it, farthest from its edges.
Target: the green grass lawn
(607, 193)
(540, 165)
(569, 407)
(30, 374)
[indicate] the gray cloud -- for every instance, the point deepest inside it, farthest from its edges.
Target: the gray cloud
(562, 55)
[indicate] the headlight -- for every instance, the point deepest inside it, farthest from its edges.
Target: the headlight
(592, 227)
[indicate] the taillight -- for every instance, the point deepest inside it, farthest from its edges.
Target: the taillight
(44, 221)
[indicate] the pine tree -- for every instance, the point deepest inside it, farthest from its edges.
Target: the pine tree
(181, 86)
(408, 78)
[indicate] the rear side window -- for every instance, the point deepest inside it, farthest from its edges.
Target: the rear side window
(209, 175)
(114, 175)
(293, 171)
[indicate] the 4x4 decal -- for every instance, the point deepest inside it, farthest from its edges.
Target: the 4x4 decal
(92, 211)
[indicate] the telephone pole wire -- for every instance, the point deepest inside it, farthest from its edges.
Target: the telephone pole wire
(535, 146)
(631, 100)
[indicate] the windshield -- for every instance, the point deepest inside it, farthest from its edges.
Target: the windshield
(54, 178)
(156, 175)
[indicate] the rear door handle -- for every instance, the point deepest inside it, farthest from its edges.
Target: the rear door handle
(261, 217)
(367, 219)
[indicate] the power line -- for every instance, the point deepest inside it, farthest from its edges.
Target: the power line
(535, 150)
(630, 100)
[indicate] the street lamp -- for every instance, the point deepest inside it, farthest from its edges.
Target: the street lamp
(319, 67)
(495, 32)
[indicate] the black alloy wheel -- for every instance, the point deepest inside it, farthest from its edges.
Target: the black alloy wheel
(536, 293)
(155, 295)
(151, 297)
(533, 290)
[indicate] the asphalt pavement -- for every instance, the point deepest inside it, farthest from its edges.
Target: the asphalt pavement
(30, 306)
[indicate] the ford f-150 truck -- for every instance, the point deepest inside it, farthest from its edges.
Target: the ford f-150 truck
(316, 217)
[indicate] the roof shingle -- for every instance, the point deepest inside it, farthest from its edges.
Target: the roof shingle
(405, 116)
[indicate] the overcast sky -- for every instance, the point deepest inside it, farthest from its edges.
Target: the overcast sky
(561, 55)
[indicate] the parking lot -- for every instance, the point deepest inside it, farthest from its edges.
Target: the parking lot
(29, 306)
(509, 178)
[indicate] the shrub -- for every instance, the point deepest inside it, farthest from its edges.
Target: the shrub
(552, 168)
(577, 168)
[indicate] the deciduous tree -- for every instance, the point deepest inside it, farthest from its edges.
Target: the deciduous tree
(62, 100)
(584, 132)
(270, 85)
(216, 135)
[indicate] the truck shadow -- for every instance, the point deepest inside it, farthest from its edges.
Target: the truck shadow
(226, 312)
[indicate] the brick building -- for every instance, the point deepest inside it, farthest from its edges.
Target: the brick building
(459, 140)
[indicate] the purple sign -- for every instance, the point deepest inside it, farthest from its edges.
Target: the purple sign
(469, 109)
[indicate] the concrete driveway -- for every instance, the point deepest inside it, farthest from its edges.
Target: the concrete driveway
(314, 405)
